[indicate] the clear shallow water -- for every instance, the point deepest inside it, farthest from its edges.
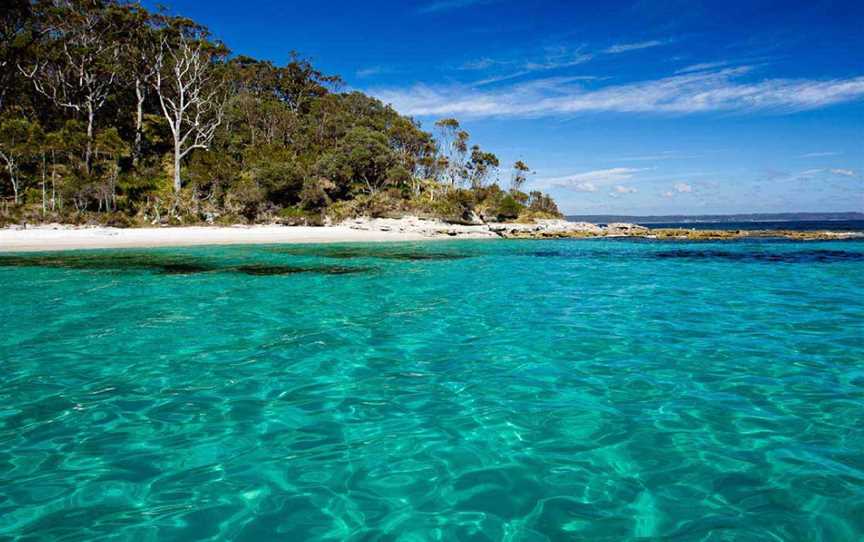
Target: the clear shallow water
(561, 390)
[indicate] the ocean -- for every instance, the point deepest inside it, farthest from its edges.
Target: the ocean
(457, 390)
(794, 225)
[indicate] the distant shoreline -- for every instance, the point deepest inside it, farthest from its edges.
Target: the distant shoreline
(57, 237)
(723, 219)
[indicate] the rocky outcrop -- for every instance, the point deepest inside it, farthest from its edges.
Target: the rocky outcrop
(557, 229)
(623, 229)
(546, 228)
(420, 226)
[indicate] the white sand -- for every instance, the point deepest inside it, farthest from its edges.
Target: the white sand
(65, 238)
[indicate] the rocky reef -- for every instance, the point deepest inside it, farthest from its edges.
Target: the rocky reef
(563, 229)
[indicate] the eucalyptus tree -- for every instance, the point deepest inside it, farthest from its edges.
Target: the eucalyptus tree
(79, 66)
(455, 142)
(138, 43)
(519, 175)
(481, 167)
(188, 86)
(19, 141)
(108, 150)
(16, 19)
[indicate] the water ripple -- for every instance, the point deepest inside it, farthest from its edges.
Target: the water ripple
(560, 390)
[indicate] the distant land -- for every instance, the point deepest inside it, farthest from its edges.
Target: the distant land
(689, 219)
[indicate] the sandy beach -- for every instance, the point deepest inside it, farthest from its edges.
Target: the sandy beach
(65, 238)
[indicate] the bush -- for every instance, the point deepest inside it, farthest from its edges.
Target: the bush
(540, 203)
(313, 195)
(509, 208)
(292, 216)
(455, 206)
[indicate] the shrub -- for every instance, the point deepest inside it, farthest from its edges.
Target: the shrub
(509, 208)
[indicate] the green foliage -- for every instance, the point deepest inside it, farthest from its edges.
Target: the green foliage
(290, 147)
(509, 208)
(456, 205)
(540, 203)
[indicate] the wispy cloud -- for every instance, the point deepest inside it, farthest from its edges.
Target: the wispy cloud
(447, 5)
(811, 174)
(820, 154)
(482, 64)
(619, 189)
(664, 155)
(589, 181)
(626, 47)
(372, 71)
(552, 58)
(679, 188)
(701, 92)
(703, 67)
(559, 57)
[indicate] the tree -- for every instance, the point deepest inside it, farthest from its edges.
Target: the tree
(138, 43)
(108, 150)
(114, 80)
(454, 141)
(540, 202)
(189, 93)
(19, 140)
(361, 161)
(519, 176)
(53, 144)
(15, 19)
(79, 69)
(481, 167)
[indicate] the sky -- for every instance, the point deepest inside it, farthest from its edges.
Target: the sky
(633, 107)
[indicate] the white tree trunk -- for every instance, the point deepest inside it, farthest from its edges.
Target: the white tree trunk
(139, 119)
(89, 152)
(177, 157)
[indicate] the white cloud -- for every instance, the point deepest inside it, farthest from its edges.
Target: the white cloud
(480, 64)
(679, 94)
(447, 5)
(679, 188)
(702, 67)
(820, 154)
(371, 71)
(813, 173)
(624, 189)
(625, 47)
(553, 58)
(589, 180)
(664, 155)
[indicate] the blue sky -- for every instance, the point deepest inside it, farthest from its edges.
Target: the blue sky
(637, 107)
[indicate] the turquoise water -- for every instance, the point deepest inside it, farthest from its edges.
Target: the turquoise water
(491, 390)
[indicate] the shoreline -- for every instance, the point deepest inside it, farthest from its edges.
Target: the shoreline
(59, 237)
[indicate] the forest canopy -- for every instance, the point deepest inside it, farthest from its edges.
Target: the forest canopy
(110, 113)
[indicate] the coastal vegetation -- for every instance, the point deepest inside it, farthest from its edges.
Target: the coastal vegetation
(115, 115)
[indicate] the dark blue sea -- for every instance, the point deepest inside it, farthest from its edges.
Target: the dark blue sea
(805, 225)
